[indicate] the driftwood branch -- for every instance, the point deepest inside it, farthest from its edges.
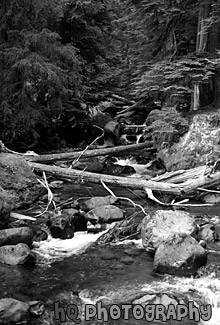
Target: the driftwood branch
(128, 111)
(89, 153)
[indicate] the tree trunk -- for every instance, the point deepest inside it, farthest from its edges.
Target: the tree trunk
(201, 45)
(202, 31)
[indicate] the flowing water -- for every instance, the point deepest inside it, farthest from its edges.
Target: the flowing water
(103, 271)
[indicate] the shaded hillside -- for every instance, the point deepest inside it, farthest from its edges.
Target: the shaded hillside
(58, 59)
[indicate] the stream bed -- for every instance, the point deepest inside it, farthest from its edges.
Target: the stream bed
(109, 271)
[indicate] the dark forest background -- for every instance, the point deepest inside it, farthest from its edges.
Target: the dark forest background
(60, 58)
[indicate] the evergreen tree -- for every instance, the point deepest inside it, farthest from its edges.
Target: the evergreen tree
(172, 50)
(38, 72)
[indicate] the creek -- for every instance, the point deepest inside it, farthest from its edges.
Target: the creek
(104, 270)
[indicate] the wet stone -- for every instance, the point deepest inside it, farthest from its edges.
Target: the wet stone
(117, 266)
(108, 255)
(127, 260)
(133, 251)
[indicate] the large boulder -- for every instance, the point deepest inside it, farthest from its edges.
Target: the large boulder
(18, 180)
(159, 225)
(179, 255)
(14, 236)
(104, 214)
(5, 207)
(15, 311)
(193, 148)
(16, 254)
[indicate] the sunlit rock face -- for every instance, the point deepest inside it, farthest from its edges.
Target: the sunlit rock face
(201, 144)
(159, 225)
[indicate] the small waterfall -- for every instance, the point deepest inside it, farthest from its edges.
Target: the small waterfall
(56, 249)
(140, 169)
(196, 97)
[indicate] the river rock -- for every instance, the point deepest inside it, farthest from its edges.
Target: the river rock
(36, 308)
(104, 214)
(97, 201)
(164, 299)
(112, 129)
(61, 227)
(179, 255)
(15, 311)
(77, 219)
(159, 225)
(14, 236)
(207, 233)
(18, 180)
(127, 260)
(16, 254)
(133, 251)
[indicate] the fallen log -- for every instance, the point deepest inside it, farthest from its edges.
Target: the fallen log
(123, 99)
(125, 115)
(78, 176)
(134, 126)
(89, 153)
(181, 176)
(133, 129)
(185, 189)
(130, 109)
(21, 216)
(205, 181)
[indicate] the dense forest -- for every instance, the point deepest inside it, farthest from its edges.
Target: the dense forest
(61, 58)
(109, 161)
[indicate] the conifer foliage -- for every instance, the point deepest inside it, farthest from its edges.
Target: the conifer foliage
(55, 55)
(51, 53)
(37, 72)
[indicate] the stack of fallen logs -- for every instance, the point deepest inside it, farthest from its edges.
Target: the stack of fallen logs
(183, 184)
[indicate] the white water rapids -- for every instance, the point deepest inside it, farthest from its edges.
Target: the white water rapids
(208, 288)
(55, 249)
